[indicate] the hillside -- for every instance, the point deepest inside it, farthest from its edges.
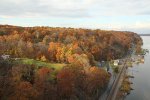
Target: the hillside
(49, 63)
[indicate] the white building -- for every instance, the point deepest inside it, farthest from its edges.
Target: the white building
(116, 62)
(5, 56)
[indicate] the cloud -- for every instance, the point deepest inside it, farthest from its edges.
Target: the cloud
(73, 8)
(139, 27)
(40, 8)
(132, 15)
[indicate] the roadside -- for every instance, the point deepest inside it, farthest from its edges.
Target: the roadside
(113, 79)
(113, 92)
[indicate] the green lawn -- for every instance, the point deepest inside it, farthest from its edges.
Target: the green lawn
(56, 66)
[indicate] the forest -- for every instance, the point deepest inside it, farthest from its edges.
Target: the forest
(54, 63)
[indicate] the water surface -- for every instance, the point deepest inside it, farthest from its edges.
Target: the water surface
(141, 72)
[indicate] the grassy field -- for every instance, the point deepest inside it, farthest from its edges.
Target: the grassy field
(56, 66)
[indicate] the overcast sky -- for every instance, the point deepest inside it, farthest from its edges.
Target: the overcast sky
(127, 15)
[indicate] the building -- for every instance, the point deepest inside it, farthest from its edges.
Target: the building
(5, 56)
(116, 62)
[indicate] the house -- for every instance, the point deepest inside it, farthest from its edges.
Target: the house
(116, 62)
(5, 56)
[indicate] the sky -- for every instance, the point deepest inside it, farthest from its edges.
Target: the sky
(124, 15)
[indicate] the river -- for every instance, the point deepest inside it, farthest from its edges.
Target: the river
(141, 73)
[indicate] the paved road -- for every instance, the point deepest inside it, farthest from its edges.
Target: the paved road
(114, 90)
(114, 84)
(110, 84)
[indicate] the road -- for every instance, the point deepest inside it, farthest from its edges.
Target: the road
(110, 84)
(117, 83)
(114, 84)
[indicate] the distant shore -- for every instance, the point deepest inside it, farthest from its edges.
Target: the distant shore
(144, 34)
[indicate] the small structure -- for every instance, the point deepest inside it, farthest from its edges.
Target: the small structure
(133, 59)
(142, 60)
(5, 56)
(116, 62)
(103, 63)
(16, 58)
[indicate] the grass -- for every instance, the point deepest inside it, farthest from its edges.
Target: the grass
(56, 66)
(129, 64)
